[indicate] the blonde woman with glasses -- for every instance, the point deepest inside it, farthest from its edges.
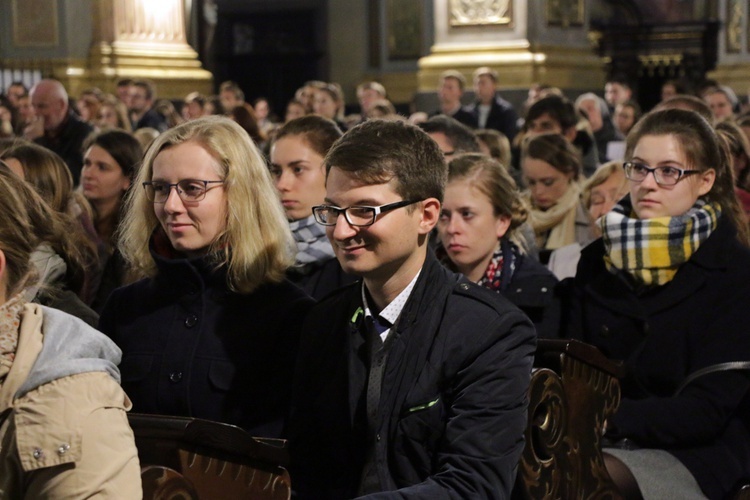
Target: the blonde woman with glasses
(212, 330)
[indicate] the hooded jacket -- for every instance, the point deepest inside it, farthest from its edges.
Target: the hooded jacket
(67, 435)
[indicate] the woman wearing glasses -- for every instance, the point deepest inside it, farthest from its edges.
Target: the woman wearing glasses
(551, 168)
(666, 289)
(212, 331)
(300, 177)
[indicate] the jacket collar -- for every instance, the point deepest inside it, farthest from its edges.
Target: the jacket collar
(413, 334)
(184, 272)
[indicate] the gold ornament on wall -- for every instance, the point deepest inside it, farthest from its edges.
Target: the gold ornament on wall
(480, 12)
(734, 26)
(564, 13)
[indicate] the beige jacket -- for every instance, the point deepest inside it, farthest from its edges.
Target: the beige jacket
(67, 437)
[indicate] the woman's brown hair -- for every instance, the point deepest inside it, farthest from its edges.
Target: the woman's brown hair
(704, 149)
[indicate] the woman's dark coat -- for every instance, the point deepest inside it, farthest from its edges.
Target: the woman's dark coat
(192, 347)
(664, 335)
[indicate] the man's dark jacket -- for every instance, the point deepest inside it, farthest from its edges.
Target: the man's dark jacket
(152, 119)
(68, 143)
(462, 115)
(502, 117)
(454, 394)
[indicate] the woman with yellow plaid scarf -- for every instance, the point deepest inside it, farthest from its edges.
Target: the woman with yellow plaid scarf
(667, 289)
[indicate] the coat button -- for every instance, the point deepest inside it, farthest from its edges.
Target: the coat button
(464, 286)
(544, 289)
(191, 321)
(63, 449)
(377, 438)
(175, 377)
(38, 453)
(605, 331)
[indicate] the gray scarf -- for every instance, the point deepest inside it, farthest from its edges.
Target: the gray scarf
(312, 245)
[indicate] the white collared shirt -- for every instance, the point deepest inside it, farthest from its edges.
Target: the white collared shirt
(392, 311)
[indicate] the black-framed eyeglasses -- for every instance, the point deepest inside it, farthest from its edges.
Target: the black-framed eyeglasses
(189, 190)
(664, 176)
(359, 216)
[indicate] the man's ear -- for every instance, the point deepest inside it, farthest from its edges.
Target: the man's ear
(430, 215)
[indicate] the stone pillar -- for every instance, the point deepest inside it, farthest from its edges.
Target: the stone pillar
(145, 39)
(534, 41)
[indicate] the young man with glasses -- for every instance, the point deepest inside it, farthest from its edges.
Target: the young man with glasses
(413, 379)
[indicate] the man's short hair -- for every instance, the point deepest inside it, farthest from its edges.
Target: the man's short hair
(464, 140)
(19, 83)
(456, 75)
(486, 71)
(124, 82)
(558, 108)
(232, 87)
(378, 151)
(148, 86)
(620, 79)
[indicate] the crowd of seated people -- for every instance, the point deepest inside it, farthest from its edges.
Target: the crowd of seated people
(368, 285)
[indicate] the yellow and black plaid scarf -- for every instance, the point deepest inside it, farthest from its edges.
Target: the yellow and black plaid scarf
(652, 250)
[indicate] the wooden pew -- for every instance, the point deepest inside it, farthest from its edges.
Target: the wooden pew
(193, 459)
(574, 390)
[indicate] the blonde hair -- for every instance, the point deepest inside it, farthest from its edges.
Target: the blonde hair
(601, 176)
(256, 245)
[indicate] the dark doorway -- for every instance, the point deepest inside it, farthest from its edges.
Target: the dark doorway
(269, 54)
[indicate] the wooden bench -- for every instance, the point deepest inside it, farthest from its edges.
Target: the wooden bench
(574, 390)
(191, 459)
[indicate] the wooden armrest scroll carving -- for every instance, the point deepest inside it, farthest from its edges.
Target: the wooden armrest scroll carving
(573, 391)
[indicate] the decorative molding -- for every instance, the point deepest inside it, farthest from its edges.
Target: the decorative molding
(734, 26)
(565, 13)
(35, 23)
(480, 12)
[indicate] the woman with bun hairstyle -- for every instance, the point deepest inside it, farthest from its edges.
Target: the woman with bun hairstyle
(481, 215)
(551, 168)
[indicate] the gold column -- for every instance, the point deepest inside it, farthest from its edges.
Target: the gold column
(145, 39)
(525, 41)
